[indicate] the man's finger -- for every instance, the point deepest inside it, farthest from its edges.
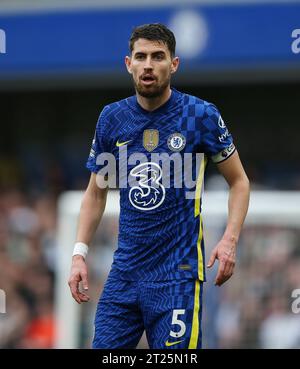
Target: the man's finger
(231, 270)
(226, 273)
(84, 279)
(75, 296)
(228, 267)
(212, 259)
(83, 297)
(223, 280)
(230, 264)
(220, 274)
(74, 290)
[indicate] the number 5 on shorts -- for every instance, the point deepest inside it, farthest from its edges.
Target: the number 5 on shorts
(177, 321)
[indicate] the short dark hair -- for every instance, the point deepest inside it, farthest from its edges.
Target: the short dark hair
(154, 32)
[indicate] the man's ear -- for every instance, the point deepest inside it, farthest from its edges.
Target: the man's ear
(128, 63)
(175, 64)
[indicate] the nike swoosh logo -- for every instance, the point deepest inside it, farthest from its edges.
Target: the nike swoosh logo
(122, 143)
(172, 343)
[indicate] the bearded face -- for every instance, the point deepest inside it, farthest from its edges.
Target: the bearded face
(151, 67)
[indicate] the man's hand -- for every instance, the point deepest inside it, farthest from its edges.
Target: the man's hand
(225, 253)
(78, 274)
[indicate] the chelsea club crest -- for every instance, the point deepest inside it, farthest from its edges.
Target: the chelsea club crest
(176, 142)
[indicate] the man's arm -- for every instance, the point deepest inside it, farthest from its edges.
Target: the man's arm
(238, 202)
(91, 211)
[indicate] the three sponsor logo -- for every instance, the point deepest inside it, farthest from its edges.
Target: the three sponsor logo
(149, 178)
(150, 193)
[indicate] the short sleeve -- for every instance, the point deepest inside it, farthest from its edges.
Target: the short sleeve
(98, 144)
(216, 140)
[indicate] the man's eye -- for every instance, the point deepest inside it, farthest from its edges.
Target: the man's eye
(159, 57)
(139, 57)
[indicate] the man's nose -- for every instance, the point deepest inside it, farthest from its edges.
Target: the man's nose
(148, 63)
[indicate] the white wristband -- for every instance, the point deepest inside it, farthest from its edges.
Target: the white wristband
(80, 248)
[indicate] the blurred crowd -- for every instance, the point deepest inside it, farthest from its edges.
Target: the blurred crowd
(27, 262)
(253, 310)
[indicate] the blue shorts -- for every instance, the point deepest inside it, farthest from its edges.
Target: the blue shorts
(169, 311)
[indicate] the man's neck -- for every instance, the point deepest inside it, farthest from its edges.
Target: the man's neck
(153, 103)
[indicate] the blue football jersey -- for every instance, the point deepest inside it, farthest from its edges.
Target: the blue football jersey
(159, 159)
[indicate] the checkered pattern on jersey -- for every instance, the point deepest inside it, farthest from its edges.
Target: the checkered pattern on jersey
(161, 243)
